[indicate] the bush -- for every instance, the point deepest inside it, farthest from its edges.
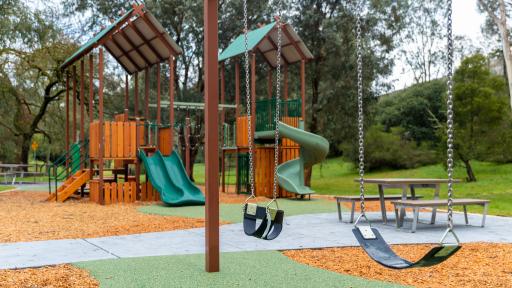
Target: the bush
(391, 150)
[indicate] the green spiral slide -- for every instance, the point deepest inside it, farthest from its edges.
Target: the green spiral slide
(169, 178)
(313, 149)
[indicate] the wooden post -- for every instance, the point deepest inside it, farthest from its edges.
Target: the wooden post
(91, 87)
(137, 161)
(73, 131)
(82, 109)
(158, 108)
(171, 102)
(237, 88)
(285, 89)
(222, 100)
(269, 87)
(67, 114)
(187, 146)
(303, 89)
(253, 94)
(211, 71)
(100, 120)
(136, 92)
(146, 94)
(126, 97)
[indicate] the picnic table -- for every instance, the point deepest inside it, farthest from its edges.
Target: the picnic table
(406, 184)
(13, 170)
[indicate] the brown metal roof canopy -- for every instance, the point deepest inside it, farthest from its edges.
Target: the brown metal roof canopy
(136, 40)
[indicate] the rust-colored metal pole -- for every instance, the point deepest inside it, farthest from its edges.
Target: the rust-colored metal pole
(269, 88)
(82, 109)
(91, 87)
(158, 108)
(171, 102)
(146, 94)
(222, 100)
(211, 41)
(303, 88)
(237, 88)
(136, 92)
(126, 97)
(285, 89)
(67, 114)
(187, 146)
(75, 84)
(100, 120)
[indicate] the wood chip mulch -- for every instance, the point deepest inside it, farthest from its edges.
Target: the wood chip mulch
(26, 216)
(475, 265)
(61, 276)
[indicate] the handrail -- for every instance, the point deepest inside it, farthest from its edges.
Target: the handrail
(67, 158)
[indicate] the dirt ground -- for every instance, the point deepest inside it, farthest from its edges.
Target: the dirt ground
(26, 216)
(61, 276)
(475, 265)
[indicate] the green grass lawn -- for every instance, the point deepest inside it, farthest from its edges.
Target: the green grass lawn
(241, 269)
(5, 188)
(336, 177)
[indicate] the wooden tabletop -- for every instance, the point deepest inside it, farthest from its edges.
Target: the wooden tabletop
(406, 180)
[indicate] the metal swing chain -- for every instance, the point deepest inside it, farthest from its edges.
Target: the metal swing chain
(360, 118)
(449, 115)
(248, 104)
(275, 186)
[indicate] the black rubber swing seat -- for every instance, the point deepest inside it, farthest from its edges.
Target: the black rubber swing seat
(271, 221)
(380, 252)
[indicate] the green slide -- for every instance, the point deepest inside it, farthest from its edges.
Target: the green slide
(313, 149)
(169, 177)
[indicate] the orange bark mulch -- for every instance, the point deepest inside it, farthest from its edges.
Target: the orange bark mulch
(26, 216)
(60, 276)
(475, 265)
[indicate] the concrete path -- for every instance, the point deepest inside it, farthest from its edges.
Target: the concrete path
(303, 231)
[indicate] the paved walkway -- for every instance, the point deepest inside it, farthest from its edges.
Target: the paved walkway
(303, 231)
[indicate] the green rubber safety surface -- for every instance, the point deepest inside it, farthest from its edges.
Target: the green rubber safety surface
(241, 269)
(233, 212)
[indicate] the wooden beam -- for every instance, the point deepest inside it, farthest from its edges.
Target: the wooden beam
(253, 94)
(126, 97)
(146, 93)
(294, 43)
(171, 101)
(285, 89)
(158, 34)
(222, 97)
(158, 112)
(136, 92)
(274, 48)
(137, 49)
(211, 71)
(120, 63)
(303, 88)
(67, 114)
(91, 87)
(269, 83)
(75, 88)
(146, 41)
(125, 54)
(82, 109)
(100, 120)
(237, 87)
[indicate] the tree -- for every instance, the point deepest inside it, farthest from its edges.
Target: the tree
(30, 78)
(498, 11)
(479, 99)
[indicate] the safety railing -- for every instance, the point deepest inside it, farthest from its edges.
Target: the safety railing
(68, 164)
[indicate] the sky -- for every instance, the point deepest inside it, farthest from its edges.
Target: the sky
(467, 21)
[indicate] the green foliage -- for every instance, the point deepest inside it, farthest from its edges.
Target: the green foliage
(482, 118)
(391, 150)
(417, 109)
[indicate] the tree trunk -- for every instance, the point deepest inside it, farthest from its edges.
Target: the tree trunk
(469, 171)
(25, 148)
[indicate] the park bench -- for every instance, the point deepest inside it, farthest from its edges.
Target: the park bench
(354, 199)
(416, 205)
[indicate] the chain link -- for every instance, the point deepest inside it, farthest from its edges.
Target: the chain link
(450, 115)
(275, 186)
(248, 103)
(360, 117)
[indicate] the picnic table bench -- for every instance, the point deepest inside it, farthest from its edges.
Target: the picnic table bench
(416, 205)
(354, 199)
